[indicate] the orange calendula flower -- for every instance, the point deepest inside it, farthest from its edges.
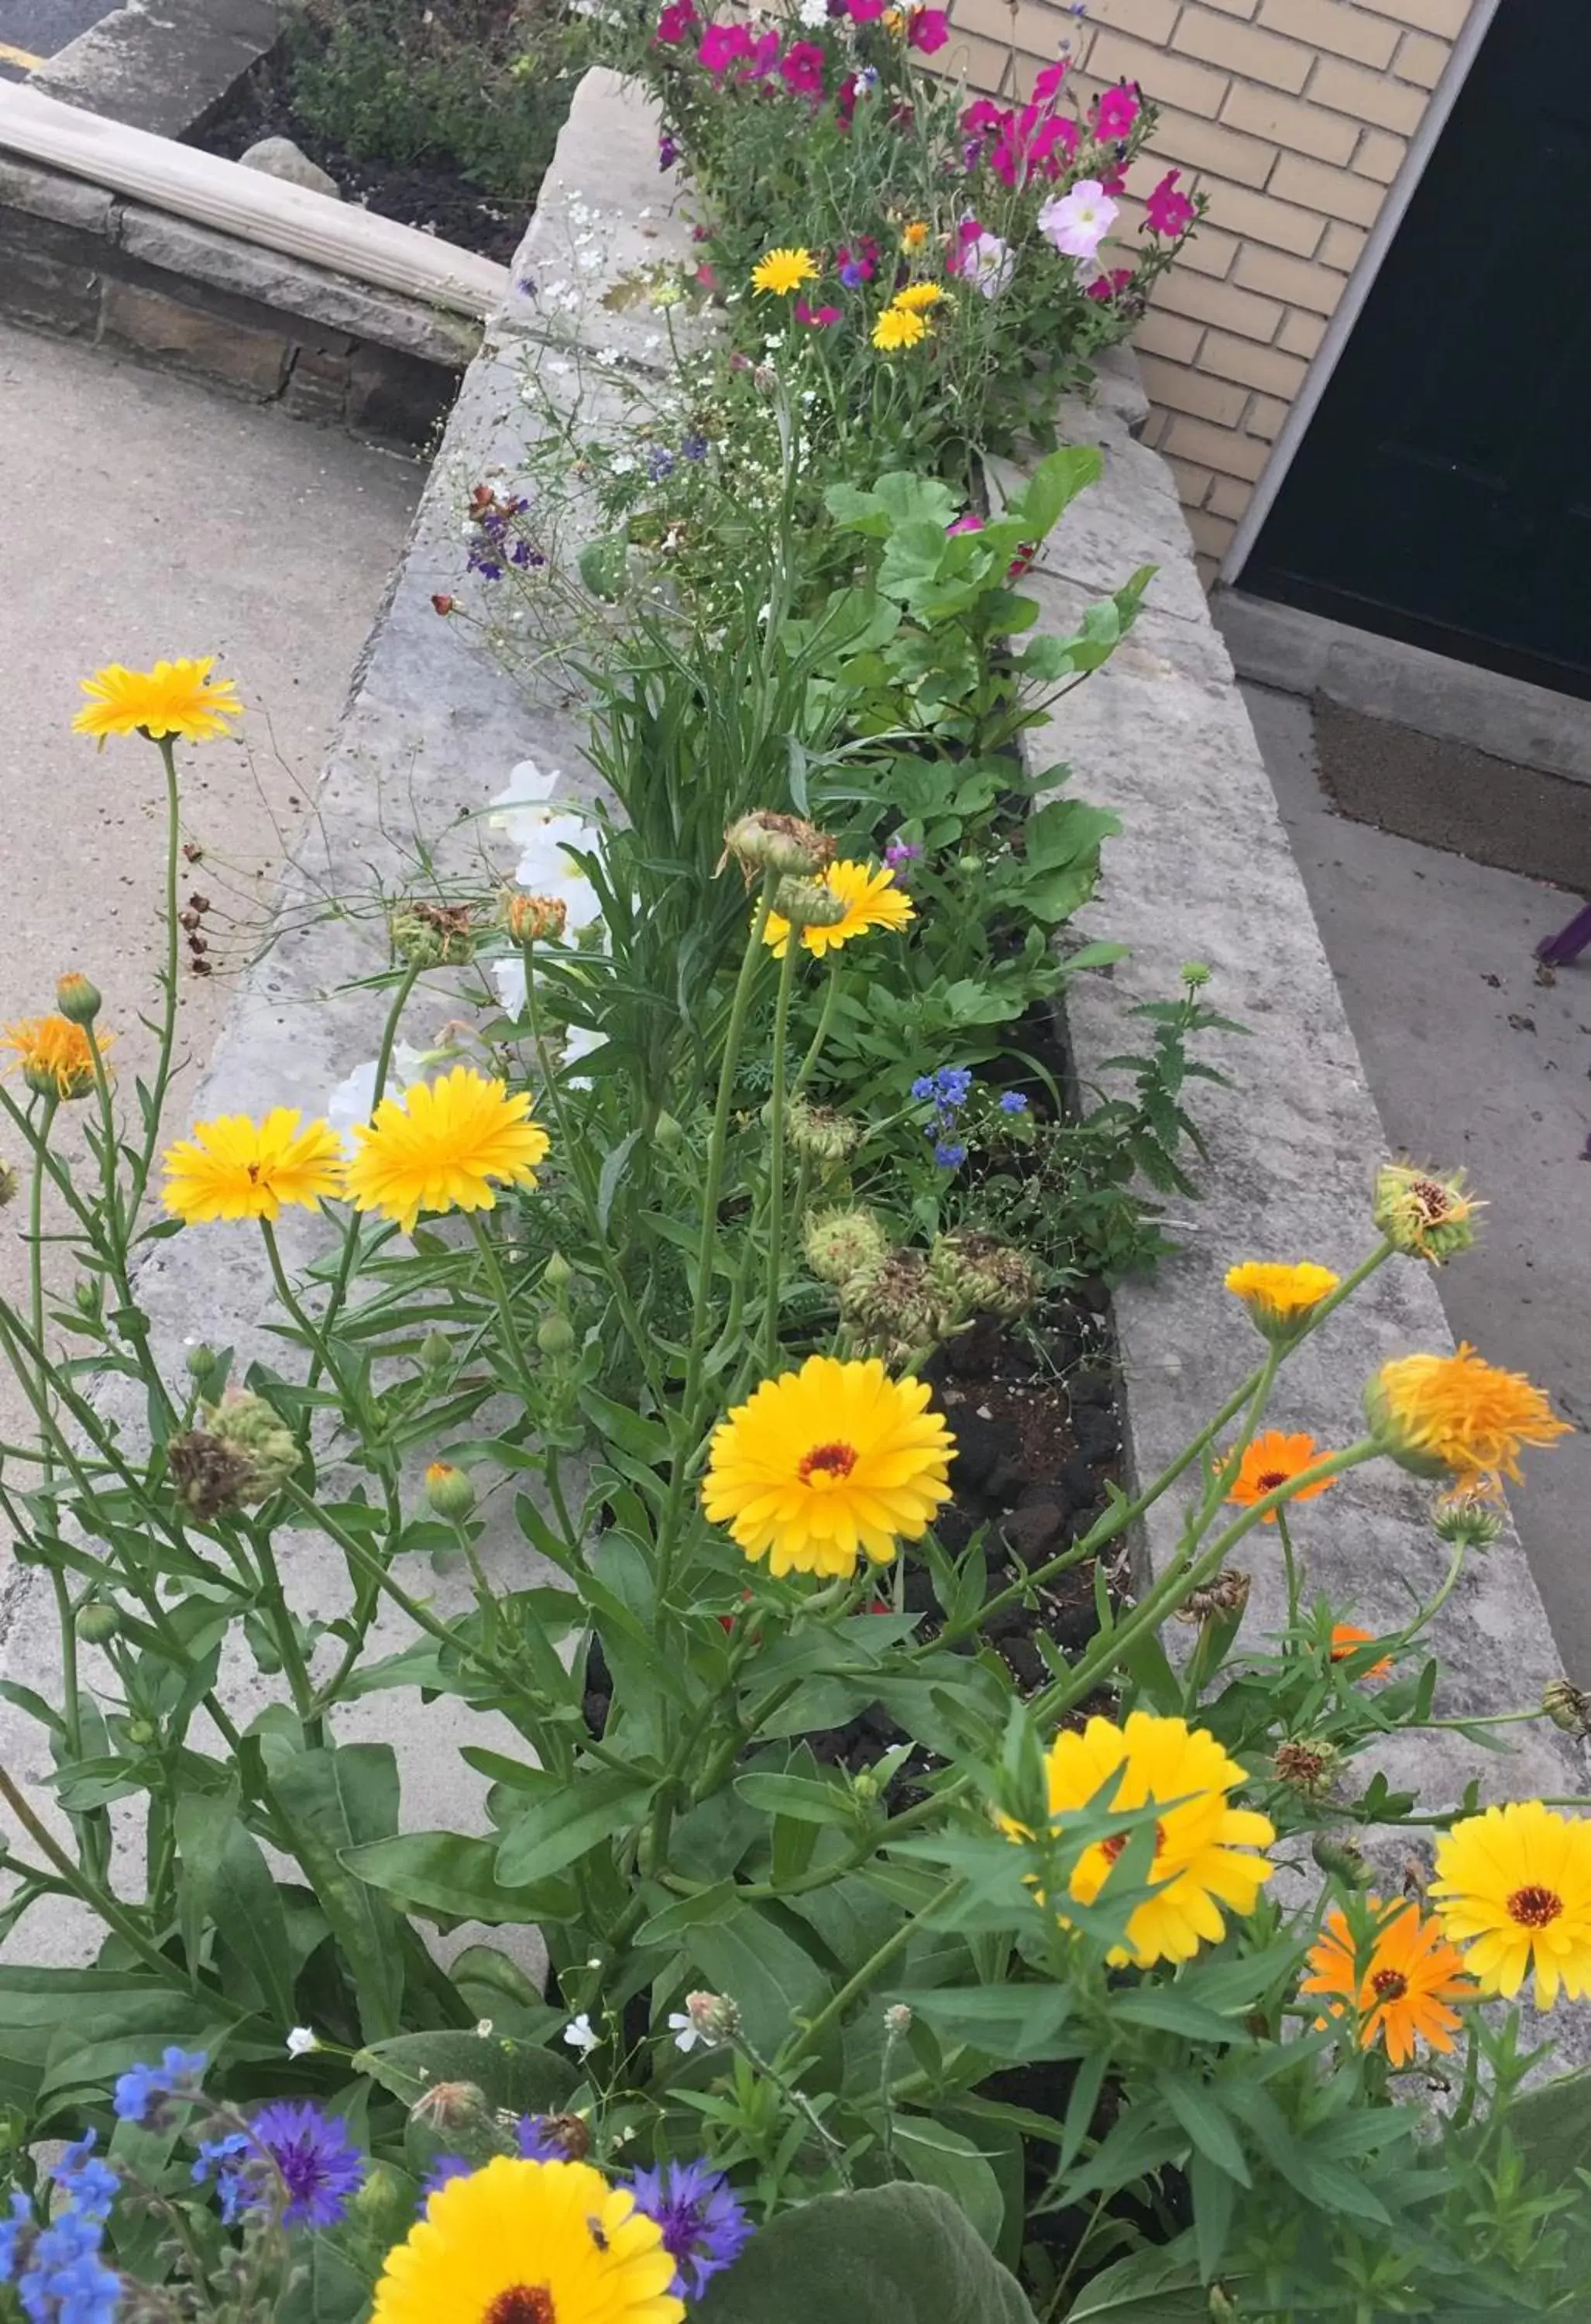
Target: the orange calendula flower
(871, 900)
(1513, 1885)
(914, 236)
(175, 699)
(234, 1167)
(1402, 1990)
(1458, 1415)
(54, 1056)
(1274, 1459)
(1347, 1637)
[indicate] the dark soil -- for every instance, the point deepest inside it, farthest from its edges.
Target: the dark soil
(436, 201)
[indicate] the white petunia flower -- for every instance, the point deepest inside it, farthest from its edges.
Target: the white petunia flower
(988, 262)
(353, 1098)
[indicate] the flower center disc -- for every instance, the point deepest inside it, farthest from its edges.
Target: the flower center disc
(1433, 1200)
(825, 1464)
(1389, 1985)
(522, 2303)
(1271, 1478)
(1112, 1848)
(1533, 1907)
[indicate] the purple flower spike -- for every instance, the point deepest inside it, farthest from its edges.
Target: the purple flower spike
(704, 2228)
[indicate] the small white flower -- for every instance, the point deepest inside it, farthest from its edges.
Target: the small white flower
(812, 14)
(685, 2034)
(484, 2029)
(595, 1961)
(578, 2034)
(300, 2042)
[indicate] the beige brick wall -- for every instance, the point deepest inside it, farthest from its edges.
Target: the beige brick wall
(1293, 117)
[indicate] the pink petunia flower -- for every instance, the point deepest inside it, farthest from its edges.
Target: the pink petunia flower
(674, 21)
(723, 45)
(1077, 223)
(864, 11)
(762, 56)
(802, 71)
(1166, 211)
(1114, 179)
(1111, 285)
(982, 117)
(818, 317)
(1048, 83)
(928, 29)
(1118, 110)
(985, 260)
(971, 522)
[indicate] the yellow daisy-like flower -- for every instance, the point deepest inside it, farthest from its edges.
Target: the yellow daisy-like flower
(174, 697)
(440, 1147)
(918, 298)
(234, 1167)
(1203, 1845)
(784, 271)
(1410, 1979)
(1458, 1415)
(824, 1463)
(1514, 1886)
(915, 235)
(871, 900)
(529, 2243)
(1281, 1299)
(898, 326)
(54, 1056)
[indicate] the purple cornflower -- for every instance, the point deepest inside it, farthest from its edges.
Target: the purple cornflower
(667, 150)
(901, 851)
(320, 2169)
(142, 2088)
(538, 2139)
(446, 2167)
(1012, 1102)
(704, 2228)
(694, 446)
(659, 464)
(526, 286)
(950, 1153)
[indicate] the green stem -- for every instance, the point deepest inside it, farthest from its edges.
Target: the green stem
(816, 1048)
(1286, 1537)
(144, 1160)
(873, 1968)
(109, 1908)
(505, 1306)
(313, 1334)
(776, 1164)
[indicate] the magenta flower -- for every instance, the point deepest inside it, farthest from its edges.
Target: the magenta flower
(1111, 285)
(819, 317)
(1166, 211)
(1118, 110)
(982, 117)
(802, 68)
(855, 261)
(928, 29)
(762, 56)
(971, 522)
(723, 45)
(1048, 84)
(864, 11)
(674, 21)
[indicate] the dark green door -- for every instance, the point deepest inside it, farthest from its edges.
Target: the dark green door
(1442, 494)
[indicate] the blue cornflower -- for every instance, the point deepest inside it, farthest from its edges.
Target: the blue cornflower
(704, 2228)
(320, 2168)
(659, 463)
(950, 1154)
(223, 2158)
(539, 2139)
(853, 274)
(142, 2086)
(1012, 1102)
(694, 446)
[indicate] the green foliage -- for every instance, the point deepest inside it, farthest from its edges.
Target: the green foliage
(896, 2255)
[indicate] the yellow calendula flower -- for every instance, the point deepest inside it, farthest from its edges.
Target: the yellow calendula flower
(443, 1145)
(871, 900)
(1281, 1299)
(825, 1464)
(1204, 1847)
(1402, 1992)
(897, 327)
(54, 1056)
(1458, 1414)
(529, 2243)
(174, 698)
(782, 271)
(918, 298)
(1514, 1886)
(234, 1167)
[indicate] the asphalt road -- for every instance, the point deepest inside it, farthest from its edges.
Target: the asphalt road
(32, 30)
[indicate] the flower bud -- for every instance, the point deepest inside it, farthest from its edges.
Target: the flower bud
(565, 2134)
(435, 1351)
(1226, 1594)
(1421, 1214)
(667, 1133)
(1307, 1765)
(441, 603)
(530, 918)
(841, 1243)
(808, 904)
(1470, 1512)
(432, 936)
(714, 2015)
(98, 1621)
(1341, 1858)
(977, 1275)
(1194, 973)
(241, 1453)
(201, 1361)
(557, 1274)
(1567, 1706)
(897, 2020)
(767, 841)
(816, 1133)
(142, 1733)
(894, 1306)
(555, 1335)
(78, 1001)
(449, 1491)
(449, 2106)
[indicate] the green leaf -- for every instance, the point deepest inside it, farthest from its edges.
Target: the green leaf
(1054, 484)
(938, 2156)
(1150, 2287)
(452, 1877)
(774, 1979)
(333, 1801)
(226, 1879)
(603, 565)
(898, 2255)
(558, 1830)
(1199, 2110)
(806, 1799)
(517, 2076)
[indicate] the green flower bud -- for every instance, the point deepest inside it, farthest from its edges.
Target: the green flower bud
(1193, 974)
(1567, 1706)
(1306, 1766)
(557, 1274)
(435, 1351)
(201, 1362)
(667, 1133)
(98, 1621)
(432, 936)
(842, 1243)
(894, 1307)
(449, 1491)
(555, 1335)
(143, 1732)
(767, 841)
(79, 1001)
(816, 1133)
(977, 1275)
(1340, 1857)
(241, 1453)
(1421, 1214)
(1469, 1511)
(808, 904)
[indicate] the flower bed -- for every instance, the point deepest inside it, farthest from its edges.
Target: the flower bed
(657, 1272)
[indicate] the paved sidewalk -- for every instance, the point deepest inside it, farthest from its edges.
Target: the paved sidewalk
(1472, 1061)
(142, 516)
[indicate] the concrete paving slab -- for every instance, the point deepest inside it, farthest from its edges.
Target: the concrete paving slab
(1473, 1061)
(140, 516)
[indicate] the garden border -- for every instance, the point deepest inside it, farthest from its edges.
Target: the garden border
(1203, 870)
